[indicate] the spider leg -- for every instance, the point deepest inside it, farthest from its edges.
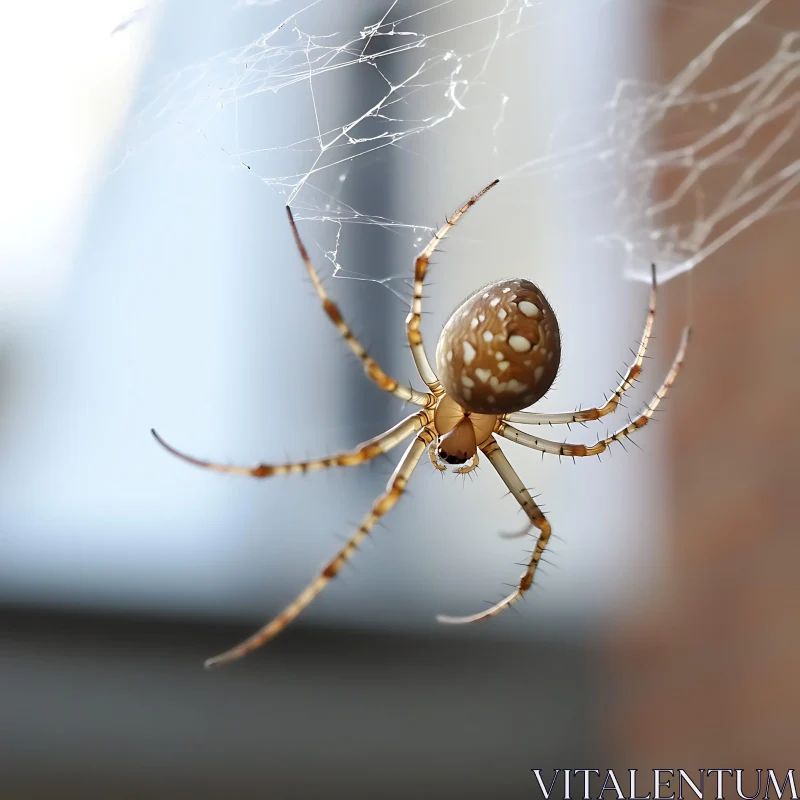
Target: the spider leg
(434, 460)
(498, 460)
(467, 468)
(371, 367)
(563, 449)
(385, 501)
(364, 452)
(415, 316)
(626, 382)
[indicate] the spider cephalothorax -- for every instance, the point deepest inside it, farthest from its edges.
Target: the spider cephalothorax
(461, 432)
(497, 354)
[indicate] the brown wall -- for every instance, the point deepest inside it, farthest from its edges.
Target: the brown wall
(707, 676)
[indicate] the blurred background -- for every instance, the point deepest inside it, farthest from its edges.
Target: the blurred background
(148, 279)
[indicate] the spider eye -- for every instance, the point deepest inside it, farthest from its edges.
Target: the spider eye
(500, 350)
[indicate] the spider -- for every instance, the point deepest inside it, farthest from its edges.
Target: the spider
(498, 353)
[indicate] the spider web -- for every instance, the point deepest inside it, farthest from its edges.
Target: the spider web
(680, 185)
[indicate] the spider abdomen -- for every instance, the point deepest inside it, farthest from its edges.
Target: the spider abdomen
(500, 350)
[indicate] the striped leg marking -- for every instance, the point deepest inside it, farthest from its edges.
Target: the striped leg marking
(395, 488)
(364, 452)
(626, 382)
(414, 318)
(579, 450)
(498, 460)
(371, 367)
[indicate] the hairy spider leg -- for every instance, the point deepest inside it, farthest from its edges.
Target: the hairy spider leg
(364, 452)
(371, 367)
(498, 460)
(414, 319)
(579, 450)
(385, 501)
(626, 382)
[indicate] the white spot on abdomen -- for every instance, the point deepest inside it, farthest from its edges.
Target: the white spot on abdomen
(483, 374)
(469, 353)
(519, 344)
(528, 308)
